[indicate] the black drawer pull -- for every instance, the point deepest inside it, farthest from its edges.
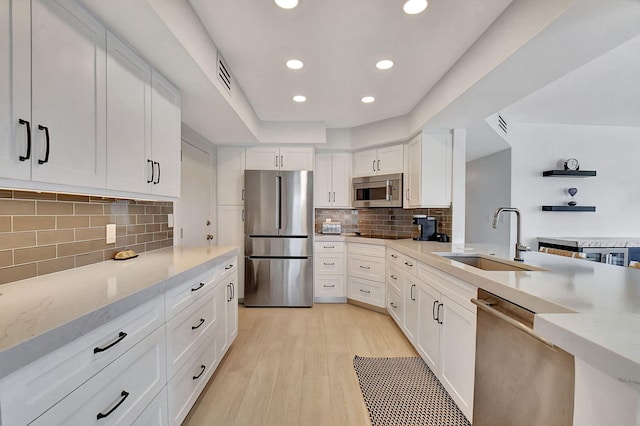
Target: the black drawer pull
(395, 256)
(46, 137)
(228, 267)
(328, 264)
(233, 291)
(433, 310)
(198, 288)
(328, 286)
(153, 171)
(121, 336)
(393, 305)
(366, 291)
(202, 368)
(393, 277)
(158, 180)
(365, 267)
(26, 123)
(199, 325)
(329, 246)
(123, 395)
(410, 265)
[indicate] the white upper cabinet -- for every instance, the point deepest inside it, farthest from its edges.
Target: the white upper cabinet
(15, 90)
(381, 161)
(279, 158)
(230, 171)
(332, 181)
(165, 137)
(428, 175)
(68, 95)
(128, 118)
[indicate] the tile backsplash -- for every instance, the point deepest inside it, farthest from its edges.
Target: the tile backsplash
(41, 232)
(383, 222)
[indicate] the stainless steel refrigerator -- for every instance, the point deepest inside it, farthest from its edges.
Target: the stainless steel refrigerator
(278, 232)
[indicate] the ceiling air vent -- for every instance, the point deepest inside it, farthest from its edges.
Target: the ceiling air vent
(223, 73)
(502, 124)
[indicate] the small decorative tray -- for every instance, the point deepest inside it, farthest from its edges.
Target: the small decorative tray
(125, 254)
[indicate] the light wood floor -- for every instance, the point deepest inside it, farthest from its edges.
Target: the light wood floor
(295, 367)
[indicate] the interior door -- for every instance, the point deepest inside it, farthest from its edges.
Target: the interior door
(195, 202)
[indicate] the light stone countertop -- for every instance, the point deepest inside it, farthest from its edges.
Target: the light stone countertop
(590, 309)
(41, 314)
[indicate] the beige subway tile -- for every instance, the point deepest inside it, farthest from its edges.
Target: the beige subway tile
(88, 208)
(158, 245)
(33, 223)
(17, 240)
(29, 195)
(55, 265)
(167, 210)
(6, 193)
(136, 229)
(144, 238)
(74, 198)
(138, 248)
(34, 254)
(54, 208)
(89, 258)
(153, 210)
(109, 253)
(115, 208)
(84, 234)
(153, 228)
(170, 233)
(124, 219)
(71, 249)
(159, 236)
(54, 237)
(16, 273)
(17, 207)
(160, 218)
(121, 230)
(5, 223)
(100, 245)
(144, 218)
(6, 258)
(164, 226)
(101, 220)
(135, 209)
(125, 241)
(65, 222)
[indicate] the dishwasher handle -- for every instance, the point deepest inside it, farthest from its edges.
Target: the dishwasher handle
(486, 306)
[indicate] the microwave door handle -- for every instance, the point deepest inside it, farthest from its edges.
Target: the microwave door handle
(389, 189)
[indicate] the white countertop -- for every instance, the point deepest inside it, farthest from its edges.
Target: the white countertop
(594, 242)
(41, 314)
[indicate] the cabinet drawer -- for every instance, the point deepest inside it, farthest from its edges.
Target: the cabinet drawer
(119, 393)
(38, 386)
(395, 305)
(329, 247)
(403, 261)
(329, 264)
(367, 267)
(185, 294)
(367, 291)
(156, 413)
(185, 387)
(229, 267)
(329, 286)
(394, 278)
(375, 250)
(188, 329)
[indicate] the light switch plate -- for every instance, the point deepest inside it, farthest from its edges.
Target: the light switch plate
(111, 233)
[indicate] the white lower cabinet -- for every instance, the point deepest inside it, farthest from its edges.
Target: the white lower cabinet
(119, 393)
(329, 272)
(366, 273)
(156, 413)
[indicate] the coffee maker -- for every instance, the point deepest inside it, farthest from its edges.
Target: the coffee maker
(427, 226)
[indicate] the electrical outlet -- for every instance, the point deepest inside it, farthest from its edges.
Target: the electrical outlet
(111, 233)
(170, 220)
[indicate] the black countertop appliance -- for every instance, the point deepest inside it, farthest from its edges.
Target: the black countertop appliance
(427, 226)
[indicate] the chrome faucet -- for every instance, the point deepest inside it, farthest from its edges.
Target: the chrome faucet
(520, 248)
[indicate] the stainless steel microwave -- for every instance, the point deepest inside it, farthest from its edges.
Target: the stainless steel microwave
(378, 191)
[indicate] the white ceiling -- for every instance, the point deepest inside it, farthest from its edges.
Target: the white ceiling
(339, 42)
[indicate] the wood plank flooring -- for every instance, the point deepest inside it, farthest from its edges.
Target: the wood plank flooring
(295, 367)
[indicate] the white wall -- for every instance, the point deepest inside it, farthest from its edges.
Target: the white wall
(488, 187)
(614, 152)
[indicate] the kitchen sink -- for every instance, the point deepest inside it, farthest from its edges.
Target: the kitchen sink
(487, 264)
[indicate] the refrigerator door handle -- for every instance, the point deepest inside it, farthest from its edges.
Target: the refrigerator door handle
(279, 202)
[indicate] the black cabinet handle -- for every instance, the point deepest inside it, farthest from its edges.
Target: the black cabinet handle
(153, 171)
(395, 256)
(328, 286)
(365, 267)
(228, 267)
(158, 180)
(233, 291)
(393, 305)
(433, 310)
(373, 166)
(412, 287)
(46, 138)
(378, 165)
(439, 319)
(26, 123)
(121, 336)
(365, 291)
(123, 395)
(202, 368)
(198, 288)
(195, 327)
(410, 265)
(328, 264)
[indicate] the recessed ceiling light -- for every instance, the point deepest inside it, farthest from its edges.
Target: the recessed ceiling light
(368, 99)
(384, 64)
(413, 7)
(299, 98)
(294, 64)
(287, 4)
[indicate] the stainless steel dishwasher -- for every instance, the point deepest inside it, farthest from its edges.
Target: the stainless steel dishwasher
(520, 378)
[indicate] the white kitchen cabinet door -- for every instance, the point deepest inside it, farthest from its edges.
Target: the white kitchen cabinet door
(457, 353)
(221, 299)
(341, 179)
(232, 307)
(68, 95)
(411, 313)
(231, 233)
(413, 175)
(165, 137)
(390, 160)
(293, 158)
(231, 165)
(156, 413)
(365, 162)
(429, 329)
(322, 185)
(436, 170)
(262, 158)
(15, 89)
(128, 118)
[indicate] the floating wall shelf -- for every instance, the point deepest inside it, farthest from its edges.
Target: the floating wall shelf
(568, 208)
(569, 173)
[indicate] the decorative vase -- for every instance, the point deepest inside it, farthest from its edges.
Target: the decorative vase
(572, 192)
